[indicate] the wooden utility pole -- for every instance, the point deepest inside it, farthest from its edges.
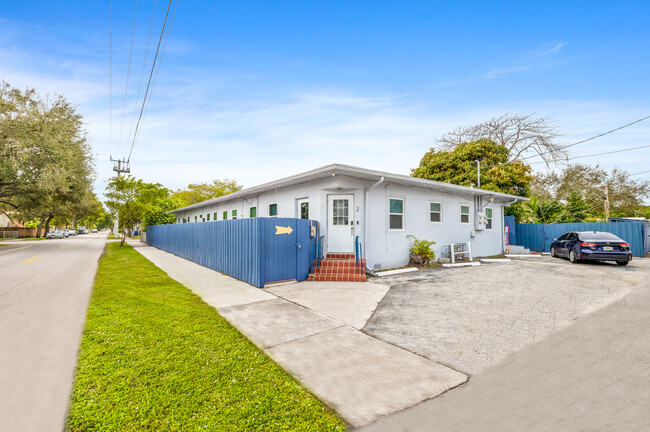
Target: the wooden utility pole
(478, 168)
(121, 167)
(606, 203)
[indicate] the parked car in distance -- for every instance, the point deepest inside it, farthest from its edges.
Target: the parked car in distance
(54, 235)
(94, 230)
(82, 231)
(72, 232)
(591, 245)
(64, 233)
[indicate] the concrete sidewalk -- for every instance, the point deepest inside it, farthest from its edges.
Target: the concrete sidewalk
(314, 335)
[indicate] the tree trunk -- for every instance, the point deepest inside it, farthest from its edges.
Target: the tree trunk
(38, 229)
(123, 235)
(47, 223)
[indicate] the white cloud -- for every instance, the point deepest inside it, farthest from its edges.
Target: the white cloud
(542, 57)
(201, 125)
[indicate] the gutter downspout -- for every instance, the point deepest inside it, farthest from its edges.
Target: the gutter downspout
(365, 215)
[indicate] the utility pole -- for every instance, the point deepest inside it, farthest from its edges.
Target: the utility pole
(606, 203)
(478, 167)
(121, 167)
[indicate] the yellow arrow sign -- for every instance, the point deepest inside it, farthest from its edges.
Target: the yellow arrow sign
(282, 230)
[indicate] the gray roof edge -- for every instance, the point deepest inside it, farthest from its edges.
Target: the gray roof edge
(347, 170)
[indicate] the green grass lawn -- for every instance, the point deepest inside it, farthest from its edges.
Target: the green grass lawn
(155, 357)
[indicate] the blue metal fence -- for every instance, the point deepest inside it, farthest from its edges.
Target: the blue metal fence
(538, 237)
(254, 250)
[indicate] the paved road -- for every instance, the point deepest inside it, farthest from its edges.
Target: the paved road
(591, 376)
(45, 287)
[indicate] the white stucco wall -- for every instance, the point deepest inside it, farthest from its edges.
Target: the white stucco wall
(389, 248)
(384, 248)
(287, 198)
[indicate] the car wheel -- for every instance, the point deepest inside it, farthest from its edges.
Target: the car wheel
(553, 254)
(622, 263)
(573, 257)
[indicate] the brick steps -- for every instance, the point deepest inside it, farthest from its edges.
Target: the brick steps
(338, 268)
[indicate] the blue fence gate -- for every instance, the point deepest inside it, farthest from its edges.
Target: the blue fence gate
(255, 250)
(538, 237)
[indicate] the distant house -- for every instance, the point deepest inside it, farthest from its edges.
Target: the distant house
(6, 221)
(381, 208)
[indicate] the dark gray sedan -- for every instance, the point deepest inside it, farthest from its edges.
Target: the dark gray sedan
(592, 245)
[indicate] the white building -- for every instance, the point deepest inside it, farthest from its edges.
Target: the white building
(381, 208)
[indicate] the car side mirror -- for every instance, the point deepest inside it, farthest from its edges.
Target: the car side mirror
(554, 239)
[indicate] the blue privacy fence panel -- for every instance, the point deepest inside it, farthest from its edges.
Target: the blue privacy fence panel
(256, 250)
(509, 221)
(538, 237)
(530, 236)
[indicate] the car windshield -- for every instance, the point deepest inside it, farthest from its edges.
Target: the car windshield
(599, 236)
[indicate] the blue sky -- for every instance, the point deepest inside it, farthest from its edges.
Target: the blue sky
(256, 90)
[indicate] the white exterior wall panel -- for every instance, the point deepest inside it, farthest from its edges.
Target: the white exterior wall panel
(383, 247)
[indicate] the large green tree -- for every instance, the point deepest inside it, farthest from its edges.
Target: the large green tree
(458, 166)
(593, 183)
(46, 166)
(135, 201)
(523, 136)
(199, 192)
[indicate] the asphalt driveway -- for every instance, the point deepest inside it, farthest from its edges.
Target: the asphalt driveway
(473, 317)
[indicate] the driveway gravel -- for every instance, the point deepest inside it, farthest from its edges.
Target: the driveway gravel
(473, 317)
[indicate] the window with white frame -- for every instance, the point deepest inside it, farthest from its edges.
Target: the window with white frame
(273, 210)
(225, 215)
(488, 216)
(253, 212)
(435, 212)
(214, 216)
(396, 214)
(195, 218)
(208, 216)
(464, 214)
(234, 214)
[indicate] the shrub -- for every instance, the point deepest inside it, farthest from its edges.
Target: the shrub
(421, 253)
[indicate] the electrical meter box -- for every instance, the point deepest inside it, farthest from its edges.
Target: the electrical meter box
(481, 221)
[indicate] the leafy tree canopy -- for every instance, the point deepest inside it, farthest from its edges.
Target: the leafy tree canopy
(626, 195)
(199, 192)
(458, 166)
(135, 201)
(46, 166)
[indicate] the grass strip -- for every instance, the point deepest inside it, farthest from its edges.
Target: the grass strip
(155, 357)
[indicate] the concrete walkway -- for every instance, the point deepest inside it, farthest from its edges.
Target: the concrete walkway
(591, 376)
(312, 330)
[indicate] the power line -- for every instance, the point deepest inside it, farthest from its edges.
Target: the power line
(137, 126)
(144, 64)
(589, 139)
(128, 73)
(155, 79)
(110, 81)
(641, 172)
(600, 154)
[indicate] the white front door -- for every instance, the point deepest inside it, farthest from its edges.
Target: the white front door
(340, 223)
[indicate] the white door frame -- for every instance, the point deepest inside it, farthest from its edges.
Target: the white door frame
(340, 237)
